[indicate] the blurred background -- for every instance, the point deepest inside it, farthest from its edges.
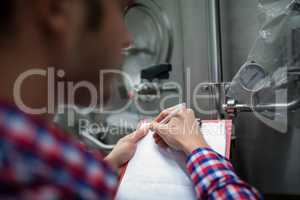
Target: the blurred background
(243, 54)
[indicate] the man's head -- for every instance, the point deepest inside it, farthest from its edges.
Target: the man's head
(79, 36)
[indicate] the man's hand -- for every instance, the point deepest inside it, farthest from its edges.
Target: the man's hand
(125, 148)
(181, 132)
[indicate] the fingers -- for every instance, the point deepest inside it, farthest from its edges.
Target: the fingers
(190, 112)
(158, 128)
(184, 113)
(156, 138)
(164, 114)
(161, 116)
(138, 134)
(162, 144)
(159, 141)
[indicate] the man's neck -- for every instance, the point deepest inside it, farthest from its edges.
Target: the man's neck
(15, 60)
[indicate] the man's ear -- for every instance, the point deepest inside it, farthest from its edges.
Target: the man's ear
(53, 15)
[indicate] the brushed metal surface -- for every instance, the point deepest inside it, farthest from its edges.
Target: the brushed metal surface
(267, 159)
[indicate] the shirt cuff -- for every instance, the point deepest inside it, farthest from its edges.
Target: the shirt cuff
(200, 151)
(201, 156)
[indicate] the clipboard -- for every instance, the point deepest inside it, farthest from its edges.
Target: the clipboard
(225, 125)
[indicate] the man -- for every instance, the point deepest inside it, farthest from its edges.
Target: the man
(37, 160)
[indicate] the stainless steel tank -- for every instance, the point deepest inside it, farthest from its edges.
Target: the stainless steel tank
(266, 158)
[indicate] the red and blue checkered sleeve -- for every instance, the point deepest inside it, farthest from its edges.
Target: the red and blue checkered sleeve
(41, 162)
(214, 177)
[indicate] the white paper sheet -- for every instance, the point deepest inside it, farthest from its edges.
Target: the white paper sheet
(158, 174)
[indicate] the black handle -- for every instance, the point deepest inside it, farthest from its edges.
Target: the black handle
(161, 71)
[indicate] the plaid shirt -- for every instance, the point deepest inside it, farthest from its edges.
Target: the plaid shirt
(214, 177)
(38, 161)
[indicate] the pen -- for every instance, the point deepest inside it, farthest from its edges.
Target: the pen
(173, 113)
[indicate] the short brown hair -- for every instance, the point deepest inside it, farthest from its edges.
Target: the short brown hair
(7, 16)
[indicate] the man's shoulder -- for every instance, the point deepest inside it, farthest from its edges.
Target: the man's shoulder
(29, 132)
(21, 127)
(18, 126)
(54, 154)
